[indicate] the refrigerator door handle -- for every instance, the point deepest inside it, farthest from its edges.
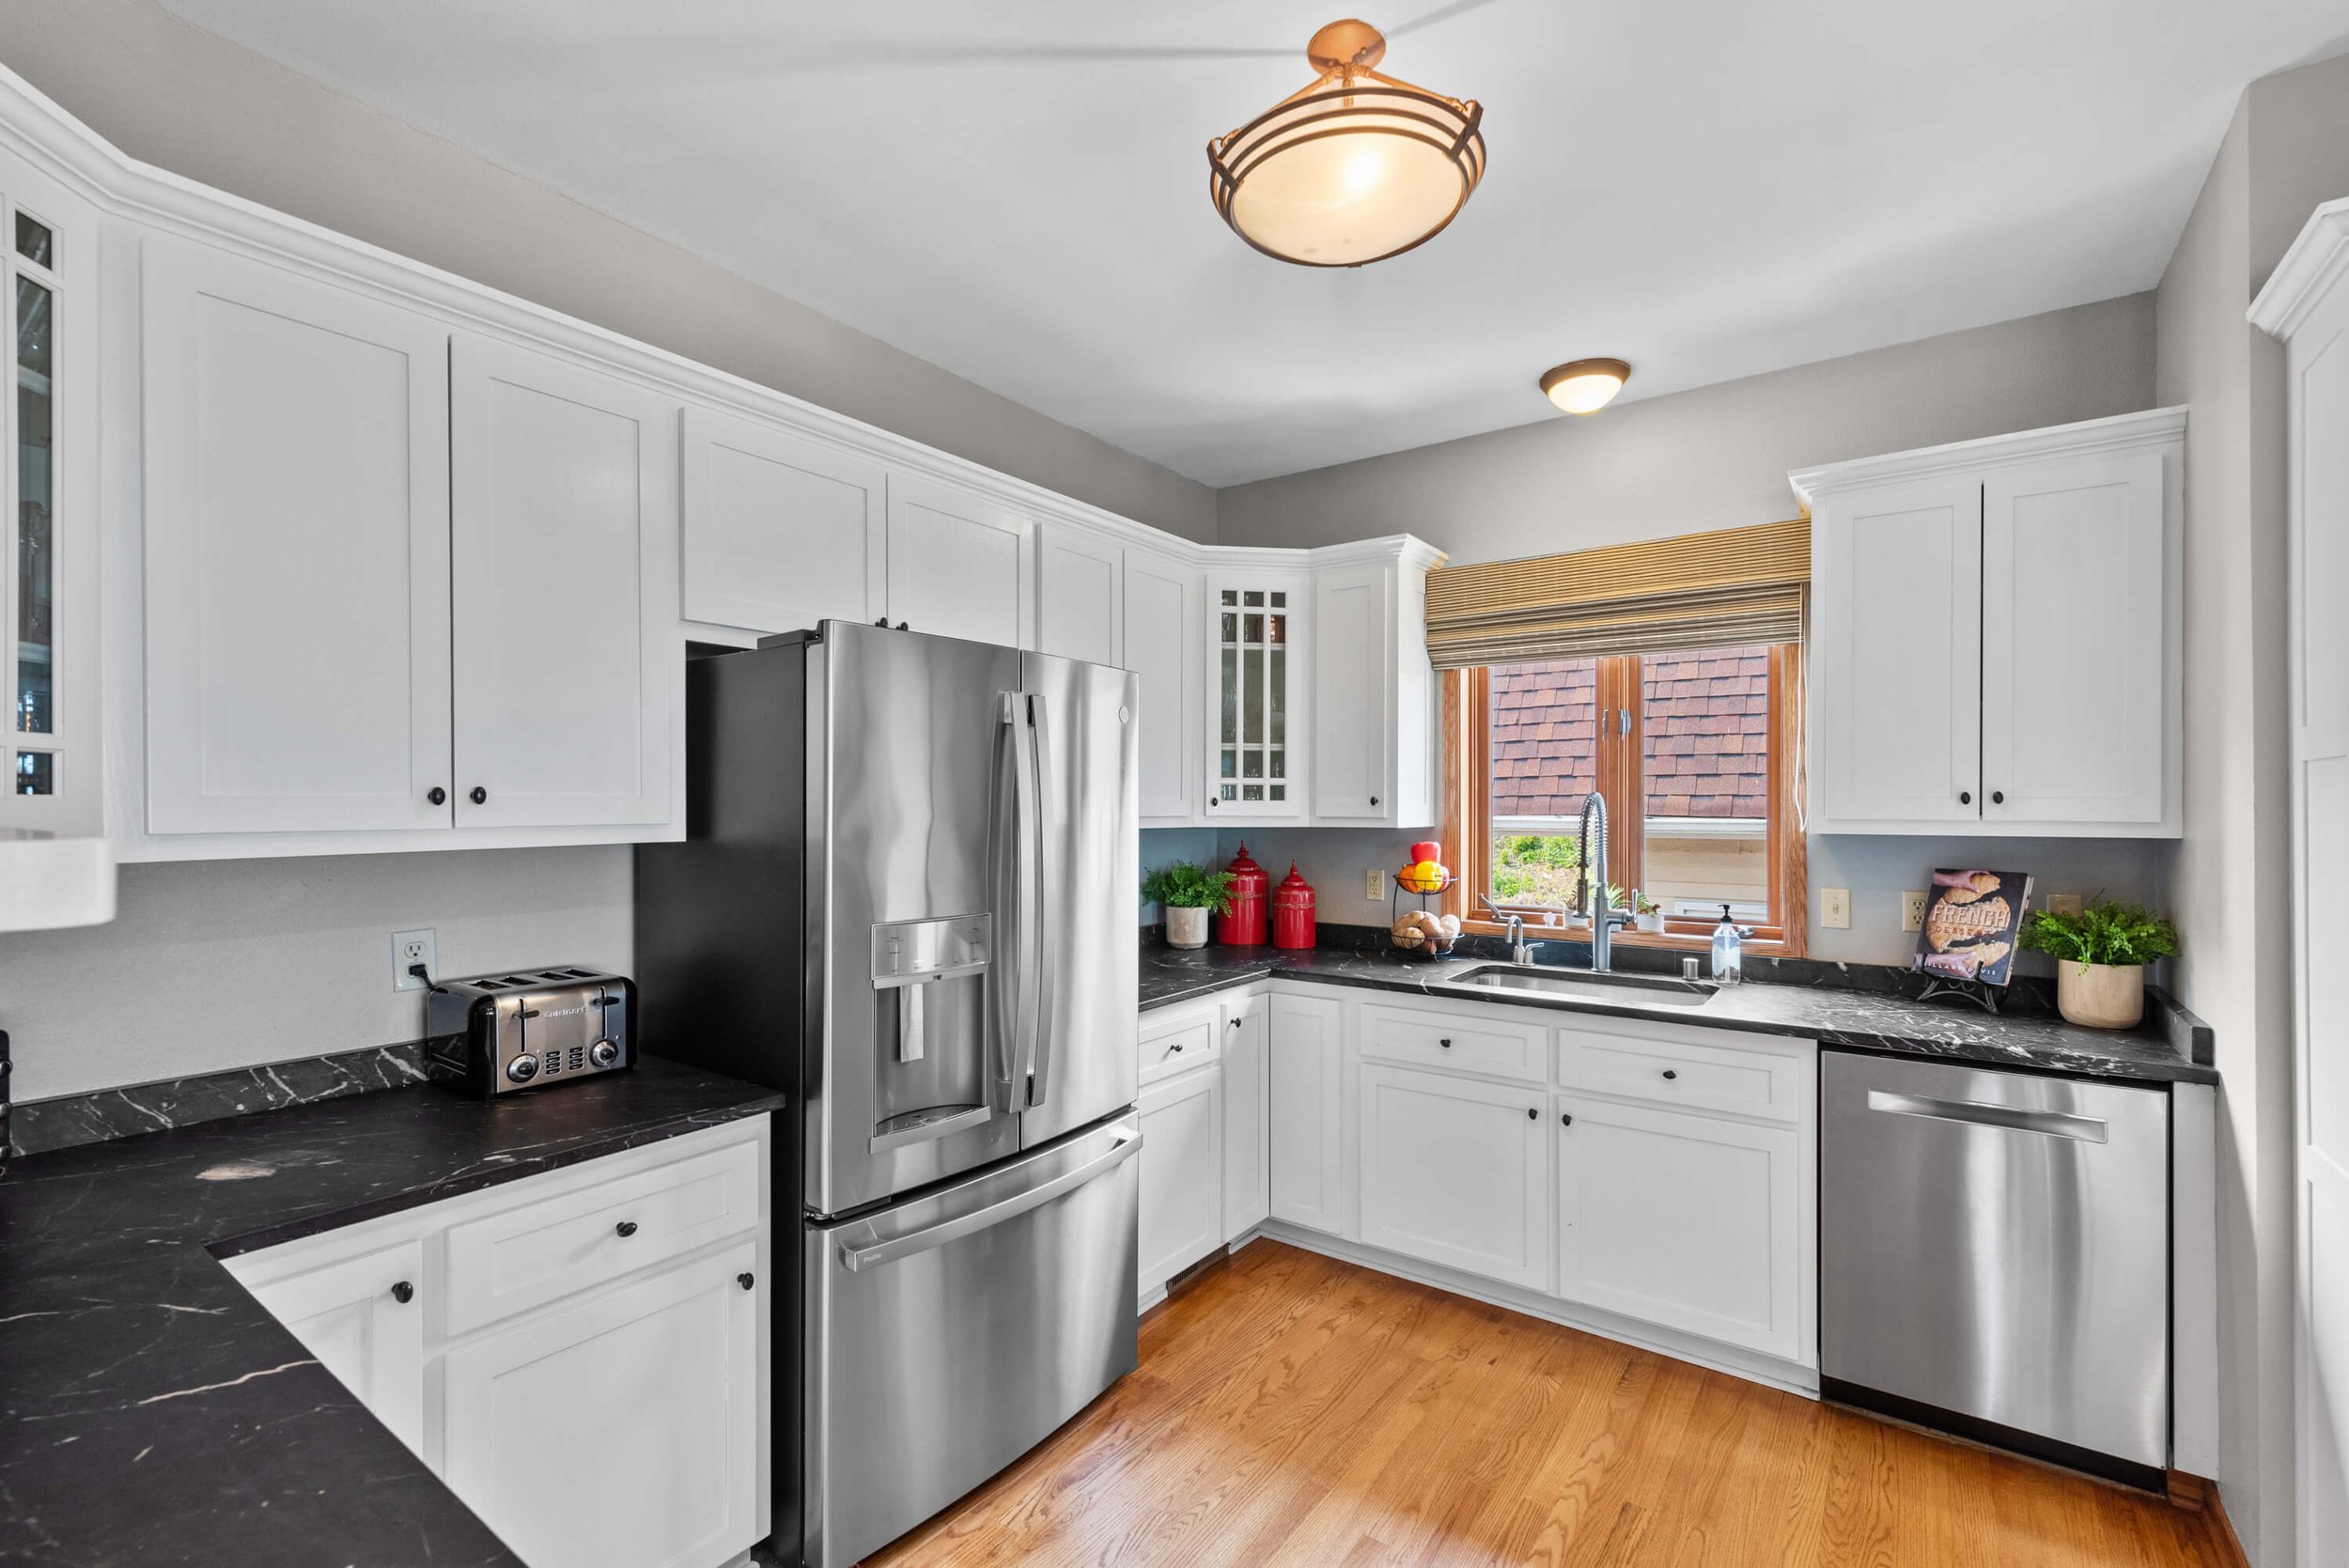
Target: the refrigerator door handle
(875, 1254)
(1047, 838)
(1008, 975)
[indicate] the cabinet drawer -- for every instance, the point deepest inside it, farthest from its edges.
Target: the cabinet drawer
(1504, 1048)
(520, 1258)
(1178, 1039)
(1749, 1075)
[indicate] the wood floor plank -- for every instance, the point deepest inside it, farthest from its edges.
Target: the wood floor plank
(1293, 1410)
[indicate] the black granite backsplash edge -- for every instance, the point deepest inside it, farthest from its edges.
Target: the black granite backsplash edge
(37, 1126)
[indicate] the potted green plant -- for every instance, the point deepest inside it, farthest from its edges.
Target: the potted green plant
(1646, 914)
(2101, 953)
(1188, 894)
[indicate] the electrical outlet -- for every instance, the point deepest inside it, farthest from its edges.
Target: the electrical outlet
(409, 948)
(1835, 908)
(1374, 884)
(2063, 903)
(1913, 909)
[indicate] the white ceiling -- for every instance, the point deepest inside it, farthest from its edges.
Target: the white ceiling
(1016, 190)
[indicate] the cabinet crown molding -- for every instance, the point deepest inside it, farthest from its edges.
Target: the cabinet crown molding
(2306, 273)
(2087, 438)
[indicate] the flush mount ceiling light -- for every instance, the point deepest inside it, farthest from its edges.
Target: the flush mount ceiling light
(1586, 386)
(1352, 168)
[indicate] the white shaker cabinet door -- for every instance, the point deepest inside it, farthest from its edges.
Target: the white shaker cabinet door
(1306, 1114)
(2075, 693)
(364, 1320)
(1182, 1174)
(959, 566)
(1164, 601)
(621, 1433)
(1694, 1222)
(780, 532)
(1079, 607)
(1456, 1171)
(1354, 706)
(570, 664)
(1247, 1189)
(1896, 685)
(297, 553)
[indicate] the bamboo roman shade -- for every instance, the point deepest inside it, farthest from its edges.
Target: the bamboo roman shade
(1723, 589)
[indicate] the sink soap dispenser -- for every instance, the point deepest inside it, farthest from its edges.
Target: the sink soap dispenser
(1729, 952)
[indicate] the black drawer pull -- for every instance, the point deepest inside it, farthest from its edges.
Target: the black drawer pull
(1669, 1073)
(625, 1228)
(403, 1293)
(1445, 1042)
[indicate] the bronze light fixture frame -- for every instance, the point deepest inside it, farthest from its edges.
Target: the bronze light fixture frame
(1615, 367)
(1347, 91)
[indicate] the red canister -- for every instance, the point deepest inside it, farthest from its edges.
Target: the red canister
(1293, 911)
(1242, 925)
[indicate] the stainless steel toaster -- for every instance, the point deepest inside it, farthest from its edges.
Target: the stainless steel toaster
(499, 1034)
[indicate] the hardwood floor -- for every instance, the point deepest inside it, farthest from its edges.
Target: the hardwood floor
(1293, 1410)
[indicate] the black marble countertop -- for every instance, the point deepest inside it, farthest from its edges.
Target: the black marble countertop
(151, 1412)
(1823, 1010)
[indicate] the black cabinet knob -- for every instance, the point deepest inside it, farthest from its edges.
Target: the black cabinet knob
(1532, 1113)
(746, 1279)
(480, 796)
(1445, 1043)
(1965, 797)
(1671, 1073)
(1997, 797)
(1176, 1046)
(403, 1293)
(1374, 800)
(626, 1228)
(438, 796)
(1565, 1118)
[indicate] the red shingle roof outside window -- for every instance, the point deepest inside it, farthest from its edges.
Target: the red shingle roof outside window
(1706, 725)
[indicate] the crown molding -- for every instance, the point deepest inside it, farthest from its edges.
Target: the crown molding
(2088, 438)
(2309, 270)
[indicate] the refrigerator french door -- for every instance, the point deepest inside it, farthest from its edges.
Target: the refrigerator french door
(904, 897)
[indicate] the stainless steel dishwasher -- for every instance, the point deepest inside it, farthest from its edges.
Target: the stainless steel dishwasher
(1994, 1257)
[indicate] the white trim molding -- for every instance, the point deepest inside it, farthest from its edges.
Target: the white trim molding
(2088, 438)
(2307, 272)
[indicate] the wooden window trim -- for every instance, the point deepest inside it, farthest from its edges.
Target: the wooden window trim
(1466, 707)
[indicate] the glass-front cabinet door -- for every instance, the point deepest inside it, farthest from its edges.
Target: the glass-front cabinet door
(48, 612)
(1257, 739)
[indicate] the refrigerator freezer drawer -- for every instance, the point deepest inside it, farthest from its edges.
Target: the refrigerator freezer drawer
(1995, 1246)
(950, 1333)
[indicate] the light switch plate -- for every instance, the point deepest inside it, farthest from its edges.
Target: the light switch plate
(2063, 903)
(1835, 908)
(1374, 884)
(409, 948)
(1913, 909)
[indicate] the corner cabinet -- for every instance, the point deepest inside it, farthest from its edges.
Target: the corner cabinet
(1375, 746)
(1258, 678)
(1996, 635)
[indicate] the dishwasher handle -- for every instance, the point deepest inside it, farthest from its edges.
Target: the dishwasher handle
(2053, 1124)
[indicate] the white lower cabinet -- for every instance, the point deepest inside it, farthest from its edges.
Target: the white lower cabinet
(578, 1353)
(622, 1432)
(1182, 1174)
(1456, 1171)
(1687, 1220)
(1247, 1174)
(1305, 1107)
(359, 1315)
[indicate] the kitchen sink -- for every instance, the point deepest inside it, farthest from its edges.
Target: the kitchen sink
(1652, 990)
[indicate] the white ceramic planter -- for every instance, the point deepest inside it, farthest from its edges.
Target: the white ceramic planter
(1186, 927)
(2100, 996)
(1653, 923)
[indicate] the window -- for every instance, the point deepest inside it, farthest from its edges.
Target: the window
(1695, 753)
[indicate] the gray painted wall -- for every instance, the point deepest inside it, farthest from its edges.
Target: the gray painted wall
(2286, 151)
(1717, 458)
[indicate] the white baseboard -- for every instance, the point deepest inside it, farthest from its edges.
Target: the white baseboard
(1710, 1354)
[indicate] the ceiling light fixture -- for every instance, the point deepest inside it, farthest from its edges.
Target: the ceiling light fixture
(1586, 386)
(1354, 167)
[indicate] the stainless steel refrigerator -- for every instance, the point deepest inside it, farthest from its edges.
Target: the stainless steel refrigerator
(906, 897)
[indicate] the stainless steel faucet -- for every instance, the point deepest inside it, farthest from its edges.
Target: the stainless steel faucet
(1605, 919)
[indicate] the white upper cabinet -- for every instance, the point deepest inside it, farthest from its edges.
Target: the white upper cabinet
(780, 531)
(1374, 747)
(1163, 628)
(297, 553)
(959, 564)
(568, 665)
(1996, 635)
(1257, 721)
(1079, 609)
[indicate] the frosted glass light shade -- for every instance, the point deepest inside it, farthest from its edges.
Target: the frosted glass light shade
(1354, 168)
(1586, 386)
